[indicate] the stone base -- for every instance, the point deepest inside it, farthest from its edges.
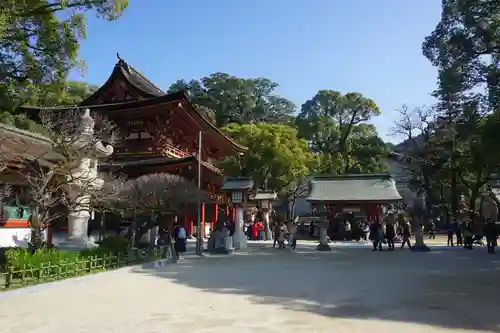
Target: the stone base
(76, 244)
(221, 244)
(239, 240)
(222, 250)
(323, 247)
(420, 248)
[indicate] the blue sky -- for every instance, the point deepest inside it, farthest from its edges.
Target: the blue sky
(367, 46)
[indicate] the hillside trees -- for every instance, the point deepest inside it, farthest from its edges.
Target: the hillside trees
(276, 157)
(228, 99)
(335, 127)
(465, 48)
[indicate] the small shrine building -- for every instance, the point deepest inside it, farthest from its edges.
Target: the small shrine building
(367, 193)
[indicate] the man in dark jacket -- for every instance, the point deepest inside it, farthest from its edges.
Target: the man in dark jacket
(390, 234)
(491, 235)
(406, 234)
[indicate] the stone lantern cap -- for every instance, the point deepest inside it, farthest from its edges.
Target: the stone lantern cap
(237, 184)
(264, 195)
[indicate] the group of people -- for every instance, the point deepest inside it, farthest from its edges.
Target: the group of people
(467, 232)
(281, 232)
(255, 230)
(386, 233)
(179, 237)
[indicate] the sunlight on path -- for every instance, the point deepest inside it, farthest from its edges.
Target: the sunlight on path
(262, 292)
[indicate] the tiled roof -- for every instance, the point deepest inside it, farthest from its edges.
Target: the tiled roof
(374, 187)
(237, 183)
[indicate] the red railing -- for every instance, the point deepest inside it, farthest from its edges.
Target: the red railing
(176, 152)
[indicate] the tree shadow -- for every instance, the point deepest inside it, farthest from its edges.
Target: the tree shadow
(449, 288)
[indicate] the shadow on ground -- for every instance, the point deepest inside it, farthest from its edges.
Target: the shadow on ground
(454, 289)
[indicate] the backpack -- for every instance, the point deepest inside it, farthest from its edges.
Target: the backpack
(181, 234)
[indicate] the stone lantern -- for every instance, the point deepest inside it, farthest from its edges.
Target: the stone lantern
(265, 201)
(83, 177)
(238, 189)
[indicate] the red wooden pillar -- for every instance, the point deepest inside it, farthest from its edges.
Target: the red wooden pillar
(227, 210)
(186, 223)
(191, 225)
(376, 211)
(203, 219)
(369, 212)
(215, 217)
(233, 216)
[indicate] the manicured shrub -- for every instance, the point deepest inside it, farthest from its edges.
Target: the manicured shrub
(21, 258)
(113, 245)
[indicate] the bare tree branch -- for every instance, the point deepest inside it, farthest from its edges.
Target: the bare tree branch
(162, 193)
(69, 161)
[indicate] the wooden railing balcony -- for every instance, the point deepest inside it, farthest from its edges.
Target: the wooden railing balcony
(176, 152)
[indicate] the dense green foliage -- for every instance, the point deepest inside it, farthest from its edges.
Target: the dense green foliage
(39, 41)
(456, 142)
(22, 258)
(276, 156)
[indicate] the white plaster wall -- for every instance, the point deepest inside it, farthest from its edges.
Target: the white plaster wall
(14, 237)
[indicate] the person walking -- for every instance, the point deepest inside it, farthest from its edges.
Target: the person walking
(292, 233)
(283, 233)
(347, 231)
(490, 231)
(390, 234)
(459, 233)
(468, 235)
(450, 232)
(276, 234)
(406, 233)
(375, 236)
(432, 229)
(180, 241)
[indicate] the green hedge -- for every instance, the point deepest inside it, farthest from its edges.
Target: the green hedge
(24, 268)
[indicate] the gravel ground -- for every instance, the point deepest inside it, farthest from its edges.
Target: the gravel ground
(270, 290)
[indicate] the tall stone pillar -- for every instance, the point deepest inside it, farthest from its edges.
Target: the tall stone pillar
(240, 240)
(323, 242)
(83, 178)
(266, 215)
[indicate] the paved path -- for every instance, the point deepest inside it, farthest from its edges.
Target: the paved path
(266, 290)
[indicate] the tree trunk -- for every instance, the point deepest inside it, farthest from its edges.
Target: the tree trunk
(36, 241)
(102, 227)
(419, 236)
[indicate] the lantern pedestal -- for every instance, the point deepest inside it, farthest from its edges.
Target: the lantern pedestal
(221, 242)
(238, 187)
(239, 237)
(267, 225)
(323, 243)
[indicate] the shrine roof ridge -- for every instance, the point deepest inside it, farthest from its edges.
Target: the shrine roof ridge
(353, 176)
(132, 76)
(25, 134)
(237, 183)
(354, 188)
(148, 161)
(176, 96)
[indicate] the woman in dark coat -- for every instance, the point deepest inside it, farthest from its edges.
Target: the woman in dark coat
(390, 234)
(180, 241)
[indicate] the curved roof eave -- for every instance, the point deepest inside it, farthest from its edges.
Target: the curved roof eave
(239, 147)
(133, 77)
